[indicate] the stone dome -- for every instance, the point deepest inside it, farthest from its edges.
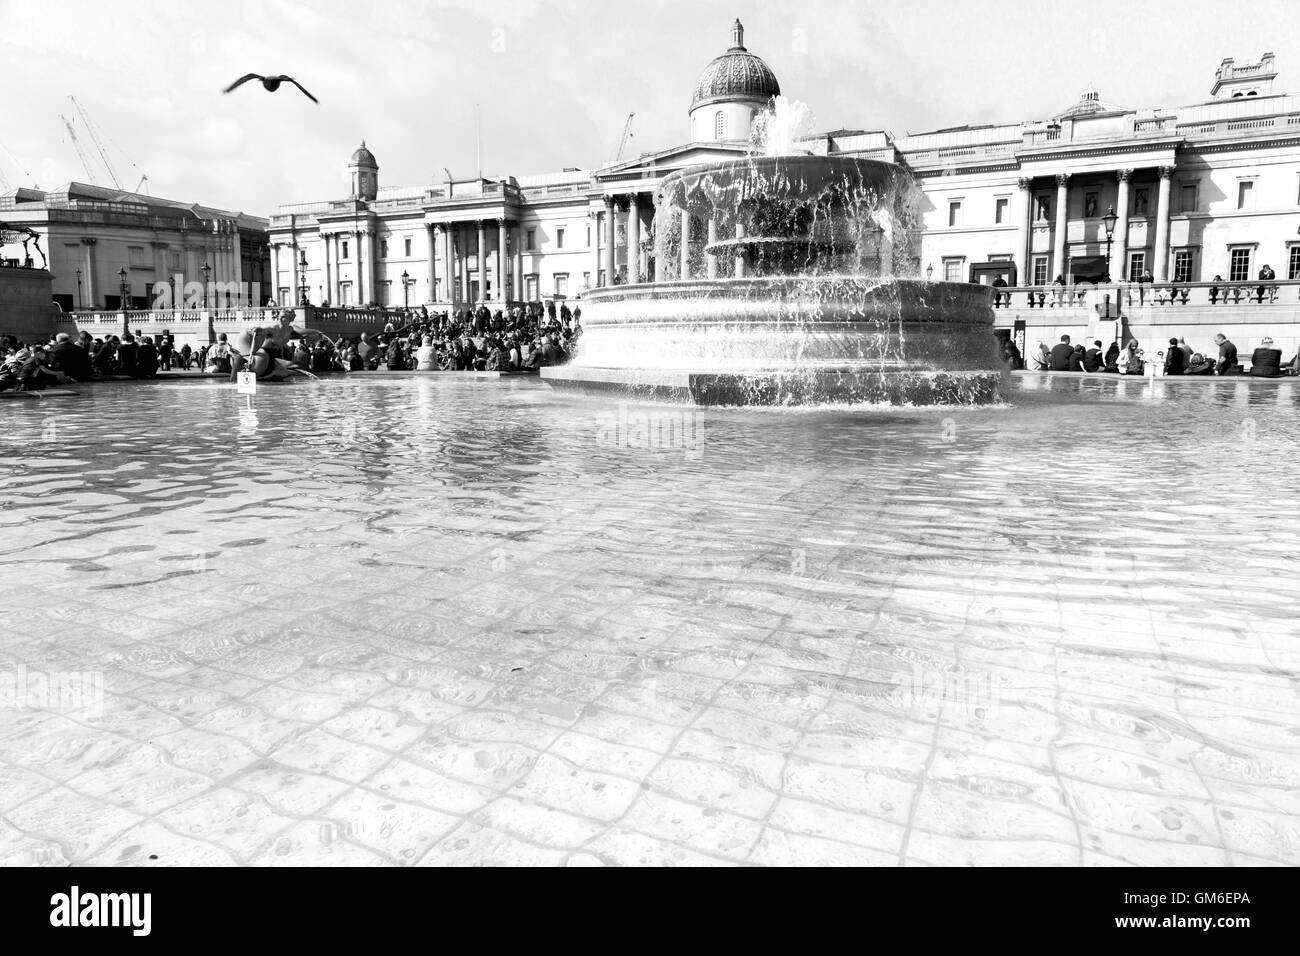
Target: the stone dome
(736, 75)
(364, 157)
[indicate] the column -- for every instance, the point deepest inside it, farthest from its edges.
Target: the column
(372, 254)
(275, 273)
(633, 239)
(661, 261)
(327, 264)
(711, 260)
(448, 272)
(1119, 249)
(1058, 240)
(595, 247)
(609, 240)
(1161, 271)
(501, 290)
(464, 265)
(519, 264)
(433, 236)
(293, 270)
(740, 260)
(686, 245)
(89, 269)
(480, 260)
(1024, 212)
(360, 270)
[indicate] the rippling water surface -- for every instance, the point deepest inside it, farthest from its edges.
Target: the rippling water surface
(428, 619)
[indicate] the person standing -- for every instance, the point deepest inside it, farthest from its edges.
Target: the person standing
(1266, 274)
(165, 349)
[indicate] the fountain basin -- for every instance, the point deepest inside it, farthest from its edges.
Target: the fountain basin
(788, 340)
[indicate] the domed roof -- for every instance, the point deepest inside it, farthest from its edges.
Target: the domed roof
(737, 74)
(364, 157)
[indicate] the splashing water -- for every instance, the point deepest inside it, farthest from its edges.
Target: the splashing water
(778, 129)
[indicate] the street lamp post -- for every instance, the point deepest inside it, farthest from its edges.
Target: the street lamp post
(212, 328)
(1108, 221)
(79, 302)
(406, 290)
(123, 295)
(929, 271)
(302, 277)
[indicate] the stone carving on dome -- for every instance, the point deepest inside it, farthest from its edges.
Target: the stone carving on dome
(739, 74)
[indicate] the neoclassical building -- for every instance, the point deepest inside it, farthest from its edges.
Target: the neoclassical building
(1210, 189)
(91, 235)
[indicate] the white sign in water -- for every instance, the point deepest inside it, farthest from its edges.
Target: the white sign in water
(246, 384)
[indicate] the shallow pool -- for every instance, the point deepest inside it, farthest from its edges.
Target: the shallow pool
(406, 619)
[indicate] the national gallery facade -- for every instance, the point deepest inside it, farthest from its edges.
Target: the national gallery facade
(1193, 193)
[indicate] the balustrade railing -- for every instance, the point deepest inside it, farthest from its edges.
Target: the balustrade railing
(1247, 293)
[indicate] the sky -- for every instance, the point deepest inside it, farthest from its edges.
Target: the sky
(553, 80)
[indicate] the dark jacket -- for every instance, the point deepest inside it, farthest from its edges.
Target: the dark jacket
(1093, 361)
(127, 357)
(1060, 357)
(146, 361)
(1175, 361)
(1076, 361)
(1266, 362)
(73, 361)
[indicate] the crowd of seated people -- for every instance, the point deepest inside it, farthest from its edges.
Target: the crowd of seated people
(518, 339)
(1177, 359)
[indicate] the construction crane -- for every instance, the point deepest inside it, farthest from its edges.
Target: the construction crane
(627, 134)
(81, 152)
(97, 136)
(17, 165)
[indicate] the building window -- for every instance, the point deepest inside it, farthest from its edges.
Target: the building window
(588, 237)
(344, 250)
(173, 262)
(1189, 197)
(1293, 265)
(1141, 201)
(1000, 211)
(600, 277)
(719, 125)
(561, 283)
(345, 292)
(1183, 265)
(952, 269)
(1090, 204)
(407, 242)
(1043, 208)
(1040, 270)
(530, 288)
(1246, 194)
(1239, 265)
(530, 242)
(954, 212)
(135, 256)
(383, 248)
(559, 238)
(586, 280)
(1137, 264)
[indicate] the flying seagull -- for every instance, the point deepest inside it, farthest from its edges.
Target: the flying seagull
(269, 83)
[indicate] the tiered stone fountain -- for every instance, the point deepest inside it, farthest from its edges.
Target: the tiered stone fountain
(777, 284)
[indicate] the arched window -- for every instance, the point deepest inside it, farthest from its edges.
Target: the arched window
(719, 125)
(1251, 93)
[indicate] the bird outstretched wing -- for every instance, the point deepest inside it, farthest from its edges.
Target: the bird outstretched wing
(290, 79)
(241, 81)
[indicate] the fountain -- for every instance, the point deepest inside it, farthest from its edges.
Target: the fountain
(778, 281)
